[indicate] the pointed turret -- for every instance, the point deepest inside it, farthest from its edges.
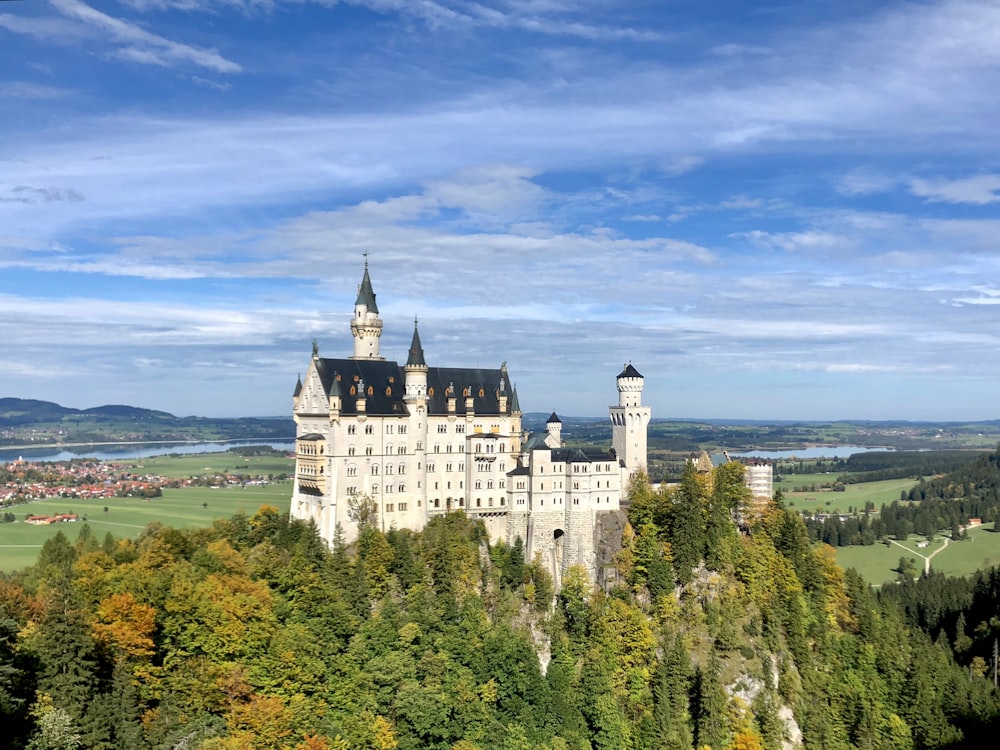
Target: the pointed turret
(515, 403)
(415, 371)
(298, 387)
(366, 295)
(416, 356)
(366, 326)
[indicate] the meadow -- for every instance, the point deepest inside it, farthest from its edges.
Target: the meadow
(187, 507)
(854, 495)
(876, 563)
(201, 464)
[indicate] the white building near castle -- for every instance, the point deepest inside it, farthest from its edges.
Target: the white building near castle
(422, 441)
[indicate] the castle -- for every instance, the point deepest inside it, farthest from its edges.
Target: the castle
(421, 441)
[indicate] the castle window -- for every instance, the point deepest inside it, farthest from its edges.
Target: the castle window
(490, 502)
(354, 391)
(430, 468)
(392, 379)
(460, 428)
(352, 490)
(401, 450)
(447, 467)
(442, 428)
(503, 484)
(351, 429)
(388, 427)
(350, 451)
(352, 470)
(479, 448)
(371, 390)
(389, 508)
(368, 450)
(479, 485)
(481, 393)
(369, 429)
(503, 448)
(448, 485)
(479, 503)
(388, 449)
(420, 445)
(402, 507)
(461, 502)
(402, 488)
(388, 469)
(430, 392)
(503, 467)
(461, 467)
(503, 501)
(576, 500)
(448, 448)
(437, 448)
(489, 484)
(388, 391)
(388, 489)
(374, 489)
(374, 470)
(402, 429)
(402, 468)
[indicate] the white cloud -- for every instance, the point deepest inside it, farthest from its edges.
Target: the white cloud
(978, 190)
(134, 43)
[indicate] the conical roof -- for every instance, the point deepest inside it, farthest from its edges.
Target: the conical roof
(416, 356)
(366, 295)
(298, 387)
(629, 372)
(553, 419)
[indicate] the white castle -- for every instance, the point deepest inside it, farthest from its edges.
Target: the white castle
(422, 441)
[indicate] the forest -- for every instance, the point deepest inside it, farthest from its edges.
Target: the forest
(724, 626)
(947, 503)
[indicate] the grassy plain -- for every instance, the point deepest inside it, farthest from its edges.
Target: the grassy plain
(854, 495)
(188, 507)
(200, 464)
(876, 563)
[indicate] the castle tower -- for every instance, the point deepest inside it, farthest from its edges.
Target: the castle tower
(416, 369)
(554, 428)
(629, 420)
(366, 327)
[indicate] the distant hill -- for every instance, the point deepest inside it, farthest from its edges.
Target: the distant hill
(30, 421)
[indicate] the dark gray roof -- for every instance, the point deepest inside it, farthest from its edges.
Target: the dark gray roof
(416, 355)
(629, 372)
(298, 387)
(554, 419)
(482, 385)
(366, 295)
(312, 436)
(385, 379)
(387, 385)
(515, 404)
(581, 455)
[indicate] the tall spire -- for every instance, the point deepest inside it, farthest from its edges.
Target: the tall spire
(366, 295)
(366, 326)
(416, 357)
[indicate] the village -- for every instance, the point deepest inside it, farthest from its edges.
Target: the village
(24, 481)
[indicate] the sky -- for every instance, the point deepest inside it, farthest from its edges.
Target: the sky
(773, 210)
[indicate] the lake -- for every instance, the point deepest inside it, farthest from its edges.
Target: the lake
(123, 451)
(816, 451)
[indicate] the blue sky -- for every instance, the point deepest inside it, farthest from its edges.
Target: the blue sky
(775, 210)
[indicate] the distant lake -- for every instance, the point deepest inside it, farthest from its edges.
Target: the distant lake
(125, 451)
(818, 451)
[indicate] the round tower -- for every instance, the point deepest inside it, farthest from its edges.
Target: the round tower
(366, 326)
(629, 421)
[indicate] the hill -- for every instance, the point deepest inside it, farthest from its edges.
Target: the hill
(33, 422)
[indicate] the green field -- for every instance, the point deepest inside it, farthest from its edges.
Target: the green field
(187, 507)
(876, 562)
(199, 464)
(854, 495)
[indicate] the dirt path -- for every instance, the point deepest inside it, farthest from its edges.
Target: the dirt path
(925, 558)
